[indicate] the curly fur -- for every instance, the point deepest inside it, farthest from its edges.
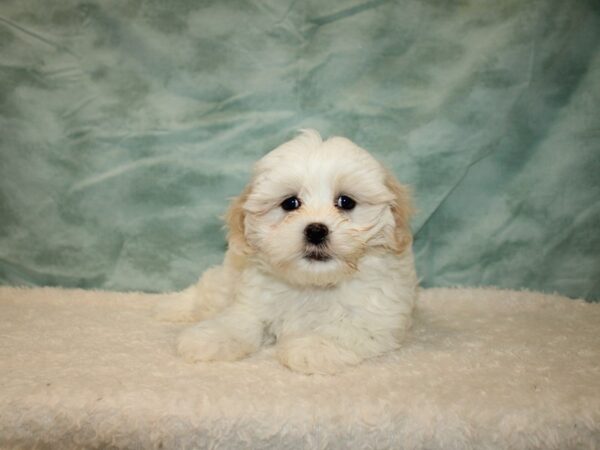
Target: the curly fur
(323, 315)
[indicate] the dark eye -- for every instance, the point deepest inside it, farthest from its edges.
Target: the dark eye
(345, 202)
(291, 203)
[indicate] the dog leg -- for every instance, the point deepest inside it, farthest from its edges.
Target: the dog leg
(234, 334)
(330, 349)
(209, 296)
(315, 354)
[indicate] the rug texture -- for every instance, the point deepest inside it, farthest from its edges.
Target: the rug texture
(481, 369)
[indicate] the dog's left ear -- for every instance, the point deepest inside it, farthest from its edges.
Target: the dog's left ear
(402, 210)
(234, 220)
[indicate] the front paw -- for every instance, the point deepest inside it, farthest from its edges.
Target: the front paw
(209, 343)
(315, 354)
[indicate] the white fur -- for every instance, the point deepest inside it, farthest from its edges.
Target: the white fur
(322, 315)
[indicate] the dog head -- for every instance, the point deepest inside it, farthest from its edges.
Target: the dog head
(314, 208)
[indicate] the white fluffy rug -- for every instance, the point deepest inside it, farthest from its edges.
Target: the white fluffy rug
(482, 368)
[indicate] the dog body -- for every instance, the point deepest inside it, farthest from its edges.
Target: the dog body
(319, 262)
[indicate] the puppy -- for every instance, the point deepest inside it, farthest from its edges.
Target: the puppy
(319, 262)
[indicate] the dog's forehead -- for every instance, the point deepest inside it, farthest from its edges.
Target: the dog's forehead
(308, 158)
(316, 169)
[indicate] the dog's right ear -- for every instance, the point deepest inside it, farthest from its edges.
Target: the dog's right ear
(234, 220)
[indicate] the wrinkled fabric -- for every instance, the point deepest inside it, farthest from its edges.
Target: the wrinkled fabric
(126, 125)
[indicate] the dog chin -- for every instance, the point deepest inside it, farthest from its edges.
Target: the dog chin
(318, 270)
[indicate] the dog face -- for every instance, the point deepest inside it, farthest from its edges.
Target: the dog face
(314, 208)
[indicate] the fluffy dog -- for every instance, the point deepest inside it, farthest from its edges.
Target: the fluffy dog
(319, 262)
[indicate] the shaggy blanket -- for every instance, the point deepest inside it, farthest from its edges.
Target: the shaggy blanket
(481, 368)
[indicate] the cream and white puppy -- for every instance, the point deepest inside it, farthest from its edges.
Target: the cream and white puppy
(319, 262)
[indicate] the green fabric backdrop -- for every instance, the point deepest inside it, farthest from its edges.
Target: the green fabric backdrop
(126, 124)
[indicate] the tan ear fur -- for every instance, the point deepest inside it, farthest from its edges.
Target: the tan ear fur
(234, 221)
(402, 210)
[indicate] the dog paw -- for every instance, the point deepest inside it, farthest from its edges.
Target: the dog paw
(205, 343)
(315, 355)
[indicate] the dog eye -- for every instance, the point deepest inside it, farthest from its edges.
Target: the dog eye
(345, 202)
(291, 203)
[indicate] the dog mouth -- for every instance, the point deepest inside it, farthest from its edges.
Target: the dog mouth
(317, 256)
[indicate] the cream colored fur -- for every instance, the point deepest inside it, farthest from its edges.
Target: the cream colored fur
(480, 369)
(322, 315)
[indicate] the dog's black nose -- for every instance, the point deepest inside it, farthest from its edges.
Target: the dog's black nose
(316, 233)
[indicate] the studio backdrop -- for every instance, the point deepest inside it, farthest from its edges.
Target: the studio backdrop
(126, 125)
